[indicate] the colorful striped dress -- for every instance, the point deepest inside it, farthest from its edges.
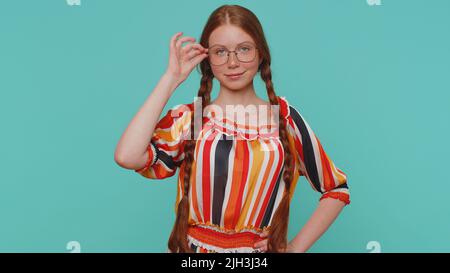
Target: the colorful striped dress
(236, 180)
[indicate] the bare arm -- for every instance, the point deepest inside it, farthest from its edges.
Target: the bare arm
(131, 151)
(322, 218)
(320, 221)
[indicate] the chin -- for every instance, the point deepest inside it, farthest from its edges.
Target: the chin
(236, 85)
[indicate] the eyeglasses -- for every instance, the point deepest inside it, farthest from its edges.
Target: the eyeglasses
(245, 52)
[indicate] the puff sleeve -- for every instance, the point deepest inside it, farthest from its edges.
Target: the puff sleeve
(321, 172)
(165, 149)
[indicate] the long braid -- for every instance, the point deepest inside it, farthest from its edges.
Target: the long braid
(277, 239)
(178, 238)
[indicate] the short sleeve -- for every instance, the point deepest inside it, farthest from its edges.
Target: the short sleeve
(315, 164)
(165, 149)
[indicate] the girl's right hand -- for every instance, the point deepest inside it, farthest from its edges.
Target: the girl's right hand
(182, 60)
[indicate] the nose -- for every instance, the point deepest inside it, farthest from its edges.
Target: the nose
(232, 59)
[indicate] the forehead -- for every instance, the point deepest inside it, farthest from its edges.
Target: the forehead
(229, 36)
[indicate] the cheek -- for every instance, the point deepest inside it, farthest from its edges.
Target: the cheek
(217, 71)
(253, 67)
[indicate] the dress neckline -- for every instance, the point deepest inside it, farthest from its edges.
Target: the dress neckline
(248, 132)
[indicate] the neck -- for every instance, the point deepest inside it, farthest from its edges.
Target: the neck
(244, 96)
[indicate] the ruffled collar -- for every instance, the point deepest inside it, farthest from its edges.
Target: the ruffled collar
(248, 132)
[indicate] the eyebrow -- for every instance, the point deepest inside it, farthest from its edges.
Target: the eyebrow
(236, 45)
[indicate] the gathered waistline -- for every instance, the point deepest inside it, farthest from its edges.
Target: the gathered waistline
(223, 242)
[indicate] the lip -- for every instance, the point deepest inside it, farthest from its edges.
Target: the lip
(235, 75)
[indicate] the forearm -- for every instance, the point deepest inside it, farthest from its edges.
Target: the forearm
(322, 218)
(131, 148)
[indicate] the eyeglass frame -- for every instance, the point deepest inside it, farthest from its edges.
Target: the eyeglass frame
(234, 51)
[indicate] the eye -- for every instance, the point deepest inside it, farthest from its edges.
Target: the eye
(219, 51)
(244, 49)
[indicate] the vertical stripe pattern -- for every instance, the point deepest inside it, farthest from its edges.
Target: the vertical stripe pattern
(237, 178)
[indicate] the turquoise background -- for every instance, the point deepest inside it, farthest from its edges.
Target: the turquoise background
(372, 81)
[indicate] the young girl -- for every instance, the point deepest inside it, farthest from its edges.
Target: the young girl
(235, 180)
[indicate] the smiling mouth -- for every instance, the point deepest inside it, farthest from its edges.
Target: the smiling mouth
(234, 75)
